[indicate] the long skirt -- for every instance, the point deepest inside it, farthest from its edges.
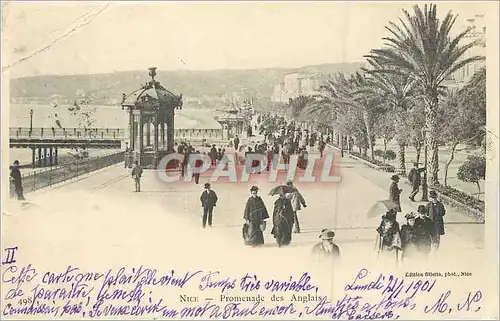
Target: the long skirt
(282, 231)
(252, 234)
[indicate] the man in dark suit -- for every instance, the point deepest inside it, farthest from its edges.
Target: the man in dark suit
(415, 180)
(436, 211)
(208, 201)
(236, 143)
(395, 192)
(16, 177)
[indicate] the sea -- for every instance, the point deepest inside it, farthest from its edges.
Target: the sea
(103, 117)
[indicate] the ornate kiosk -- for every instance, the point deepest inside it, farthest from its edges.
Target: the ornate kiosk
(151, 118)
(232, 123)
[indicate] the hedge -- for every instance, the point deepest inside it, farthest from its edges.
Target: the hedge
(471, 205)
(466, 203)
(381, 165)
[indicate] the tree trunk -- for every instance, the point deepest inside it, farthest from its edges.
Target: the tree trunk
(432, 139)
(479, 190)
(366, 120)
(402, 159)
(385, 149)
(448, 163)
(418, 148)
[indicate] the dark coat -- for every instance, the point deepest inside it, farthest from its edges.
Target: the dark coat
(255, 214)
(436, 213)
(409, 236)
(282, 221)
(424, 228)
(414, 176)
(410, 240)
(255, 210)
(394, 194)
(15, 173)
(208, 199)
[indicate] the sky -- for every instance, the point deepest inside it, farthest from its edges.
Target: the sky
(194, 35)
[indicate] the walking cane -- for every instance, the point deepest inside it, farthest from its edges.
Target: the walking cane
(378, 243)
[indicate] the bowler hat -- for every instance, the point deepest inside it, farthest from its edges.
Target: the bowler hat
(207, 185)
(394, 177)
(327, 234)
(254, 188)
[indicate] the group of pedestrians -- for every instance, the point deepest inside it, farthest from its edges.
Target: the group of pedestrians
(284, 216)
(423, 229)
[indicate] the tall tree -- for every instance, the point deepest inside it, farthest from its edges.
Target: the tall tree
(298, 105)
(350, 102)
(399, 91)
(464, 116)
(422, 46)
(385, 129)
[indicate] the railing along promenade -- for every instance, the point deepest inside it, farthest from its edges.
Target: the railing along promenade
(61, 173)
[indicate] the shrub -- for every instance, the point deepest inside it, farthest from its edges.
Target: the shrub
(460, 196)
(390, 155)
(473, 170)
(378, 153)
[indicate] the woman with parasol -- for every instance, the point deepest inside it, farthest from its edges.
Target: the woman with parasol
(255, 216)
(388, 241)
(388, 236)
(282, 215)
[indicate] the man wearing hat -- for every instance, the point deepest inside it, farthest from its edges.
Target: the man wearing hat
(415, 180)
(395, 192)
(436, 211)
(136, 175)
(326, 248)
(208, 200)
(298, 202)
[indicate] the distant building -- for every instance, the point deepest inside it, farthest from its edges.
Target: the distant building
(296, 84)
(463, 75)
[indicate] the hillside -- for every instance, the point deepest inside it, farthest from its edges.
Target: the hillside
(107, 88)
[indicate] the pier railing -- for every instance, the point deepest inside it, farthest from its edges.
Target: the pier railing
(104, 133)
(59, 174)
(66, 133)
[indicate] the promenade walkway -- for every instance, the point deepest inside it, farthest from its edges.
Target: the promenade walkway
(101, 215)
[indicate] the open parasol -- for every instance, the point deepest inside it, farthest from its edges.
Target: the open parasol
(381, 207)
(282, 189)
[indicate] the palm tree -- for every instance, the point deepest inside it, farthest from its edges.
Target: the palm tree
(325, 105)
(298, 105)
(422, 47)
(399, 92)
(346, 98)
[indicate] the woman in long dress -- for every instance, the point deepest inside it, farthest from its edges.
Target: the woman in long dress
(410, 237)
(425, 228)
(255, 216)
(282, 220)
(389, 238)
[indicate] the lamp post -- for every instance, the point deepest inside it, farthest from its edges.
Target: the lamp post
(31, 121)
(425, 194)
